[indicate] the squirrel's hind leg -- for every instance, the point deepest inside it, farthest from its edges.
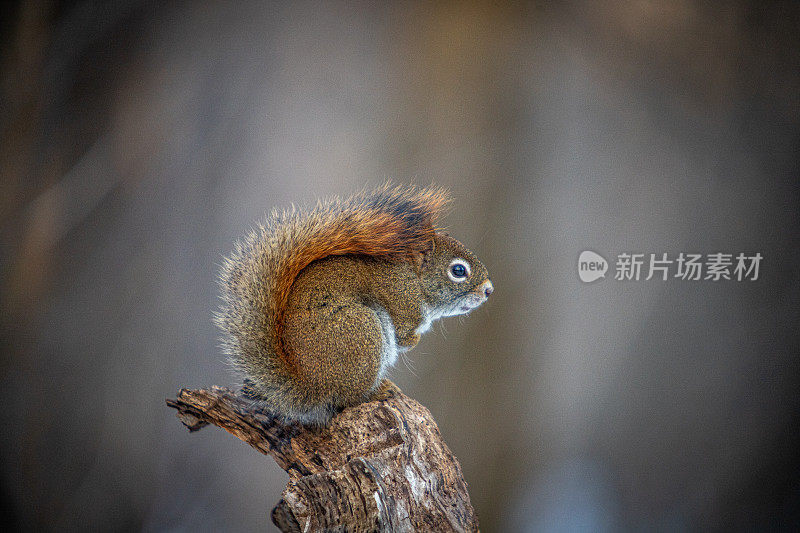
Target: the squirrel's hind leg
(337, 350)
(386, 389)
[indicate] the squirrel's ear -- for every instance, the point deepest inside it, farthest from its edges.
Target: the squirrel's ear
(421, 259)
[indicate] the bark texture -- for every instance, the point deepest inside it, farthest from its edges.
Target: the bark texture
(379, 466)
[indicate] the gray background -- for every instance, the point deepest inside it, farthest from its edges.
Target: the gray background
(140, 139)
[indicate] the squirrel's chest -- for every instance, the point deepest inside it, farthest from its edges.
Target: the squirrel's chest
(390, 349)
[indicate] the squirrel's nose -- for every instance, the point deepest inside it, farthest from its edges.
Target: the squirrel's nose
(488, 288)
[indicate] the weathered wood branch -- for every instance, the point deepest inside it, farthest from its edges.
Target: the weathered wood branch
(379, 466)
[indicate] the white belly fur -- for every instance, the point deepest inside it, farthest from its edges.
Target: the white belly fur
(389, 352)
(390, 347)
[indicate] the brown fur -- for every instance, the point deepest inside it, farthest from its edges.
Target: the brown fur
(390, 224)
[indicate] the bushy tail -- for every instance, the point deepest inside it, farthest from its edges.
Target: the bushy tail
(390, 222)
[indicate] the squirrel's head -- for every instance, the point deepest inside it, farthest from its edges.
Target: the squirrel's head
(453, 279)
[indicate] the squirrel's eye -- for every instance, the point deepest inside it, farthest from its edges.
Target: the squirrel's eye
(459, 270)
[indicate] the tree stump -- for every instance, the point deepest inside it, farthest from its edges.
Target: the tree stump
(378, 466)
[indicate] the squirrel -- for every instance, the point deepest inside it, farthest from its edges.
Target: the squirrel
(317, 303)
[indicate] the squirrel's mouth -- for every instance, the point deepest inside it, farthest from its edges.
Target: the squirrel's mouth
(464, 305)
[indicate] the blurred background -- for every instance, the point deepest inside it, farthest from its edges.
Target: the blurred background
(139, 139)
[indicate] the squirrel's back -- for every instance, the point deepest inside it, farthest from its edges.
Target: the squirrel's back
(390, 222)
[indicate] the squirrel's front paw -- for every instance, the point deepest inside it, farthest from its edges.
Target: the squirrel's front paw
(385, 390)
(408, 341)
